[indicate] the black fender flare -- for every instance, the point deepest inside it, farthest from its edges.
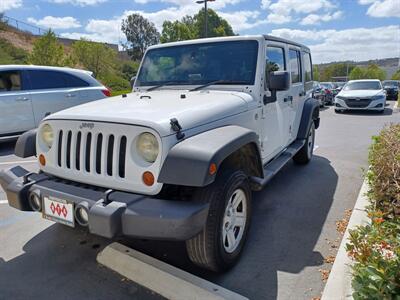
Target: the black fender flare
(310, 114)
(26, 144)
(188, 162)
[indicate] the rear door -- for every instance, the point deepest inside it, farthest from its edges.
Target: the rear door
(16, 113)
(297, 90)
(53, 91)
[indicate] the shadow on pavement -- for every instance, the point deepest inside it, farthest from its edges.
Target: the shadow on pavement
(7, 148)
(60, 263)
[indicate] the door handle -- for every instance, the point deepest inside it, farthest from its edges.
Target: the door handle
(288, 98)
(302, 93)
(70, 95)
(22, 99)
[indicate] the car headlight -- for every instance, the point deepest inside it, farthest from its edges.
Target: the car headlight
(378, 97)
(147, 147)
(47, 135)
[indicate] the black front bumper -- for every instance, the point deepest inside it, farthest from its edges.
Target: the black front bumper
(121, 214)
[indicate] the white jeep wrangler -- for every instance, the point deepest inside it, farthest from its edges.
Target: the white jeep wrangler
(208, 122)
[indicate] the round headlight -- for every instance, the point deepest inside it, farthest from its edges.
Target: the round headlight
(47, 135)
(147, 147)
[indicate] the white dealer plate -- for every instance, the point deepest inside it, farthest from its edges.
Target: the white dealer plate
(58, 210)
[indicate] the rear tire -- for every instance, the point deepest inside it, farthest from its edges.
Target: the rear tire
(219, 246)
(306, 152)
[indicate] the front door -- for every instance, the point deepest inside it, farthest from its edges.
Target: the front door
(16, 113)
(275, 117)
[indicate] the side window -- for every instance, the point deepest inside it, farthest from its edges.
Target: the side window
(73, 81)
(295, 65)
(275, 59)
(10, 81)
(308, 70)
(42, 79)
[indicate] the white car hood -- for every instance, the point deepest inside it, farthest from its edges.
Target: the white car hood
(155, 109)
(360, 93)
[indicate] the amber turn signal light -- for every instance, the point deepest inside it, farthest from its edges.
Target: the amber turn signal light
(42, 160)
(148, 178)
(213, 169)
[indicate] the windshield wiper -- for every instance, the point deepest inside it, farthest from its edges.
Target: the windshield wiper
(217, 82)
(161, 85)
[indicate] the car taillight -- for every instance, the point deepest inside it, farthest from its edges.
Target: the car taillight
(106, 92)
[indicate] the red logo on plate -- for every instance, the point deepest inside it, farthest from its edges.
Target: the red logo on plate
(59, 209)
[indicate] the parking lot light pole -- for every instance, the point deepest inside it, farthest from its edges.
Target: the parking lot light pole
(205, 10)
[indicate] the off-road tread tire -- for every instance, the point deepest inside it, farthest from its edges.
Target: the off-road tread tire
(302, 157)
(205, 249)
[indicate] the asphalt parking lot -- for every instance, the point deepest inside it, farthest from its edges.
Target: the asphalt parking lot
(293, 229)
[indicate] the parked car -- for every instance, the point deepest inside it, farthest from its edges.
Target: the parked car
(29, 93)
(392, 89)
(366, 94)
(329, 90)
(209, 122)
(338, 87)
(318, 93)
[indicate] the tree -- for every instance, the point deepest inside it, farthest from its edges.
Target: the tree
(47, 51)
(356, 73)
(217, 26)
(373, 71)
(140, 34)
(177, 31)
(396, 75)
(96, 57)
(316, 73)
(335, 70)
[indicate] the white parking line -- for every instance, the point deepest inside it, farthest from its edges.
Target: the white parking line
(17, 162)
(3, 202)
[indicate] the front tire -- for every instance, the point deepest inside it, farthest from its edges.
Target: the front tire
(306, 152)
(218, 247)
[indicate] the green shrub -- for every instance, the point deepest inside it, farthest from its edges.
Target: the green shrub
(115, 82)
(384, 172)
(9, 54)
(375, 248)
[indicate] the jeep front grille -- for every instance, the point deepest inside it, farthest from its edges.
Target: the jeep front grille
(94, 153)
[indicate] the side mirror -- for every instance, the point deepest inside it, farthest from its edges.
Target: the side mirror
(132, 82)
(279, 81)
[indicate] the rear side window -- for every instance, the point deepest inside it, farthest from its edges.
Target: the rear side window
(10, 81)
(308, 70)
(41, 79)
(295, 65)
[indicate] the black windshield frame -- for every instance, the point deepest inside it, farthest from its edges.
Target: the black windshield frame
(204, 62)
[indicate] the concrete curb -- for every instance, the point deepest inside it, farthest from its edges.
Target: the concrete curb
(339, 281)
(161, 278)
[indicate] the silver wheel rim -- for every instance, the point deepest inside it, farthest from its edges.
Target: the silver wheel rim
(234, 222)
(310, 141)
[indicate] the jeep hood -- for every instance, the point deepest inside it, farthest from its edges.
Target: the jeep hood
(155, 109)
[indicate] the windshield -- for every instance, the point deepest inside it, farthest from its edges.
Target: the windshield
(390, 84)
(363, 85)
(339, 84)
(327, 85)
(196, 64)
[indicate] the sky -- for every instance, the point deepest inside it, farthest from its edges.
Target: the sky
(334, 30)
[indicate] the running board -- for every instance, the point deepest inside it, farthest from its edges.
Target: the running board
(273, 167)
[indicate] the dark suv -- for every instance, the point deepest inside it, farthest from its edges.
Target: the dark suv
(392, 89)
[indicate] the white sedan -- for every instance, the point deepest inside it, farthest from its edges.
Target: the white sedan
(366, 94)
(29, 93)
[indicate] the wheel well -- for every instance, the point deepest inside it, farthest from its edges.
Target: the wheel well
(247, 158)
